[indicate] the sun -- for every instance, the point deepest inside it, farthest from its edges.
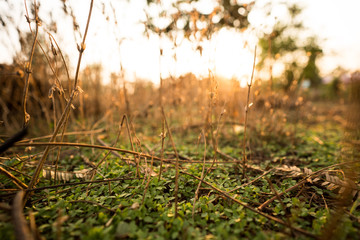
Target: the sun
(228, 54)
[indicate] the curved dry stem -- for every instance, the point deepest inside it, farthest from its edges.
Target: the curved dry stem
(202, 176)
(21, 228)
(64, 115)
(176, 165)
(246, 116)
(63, 59)
(15, 180)
(163, 136)
(245, 205)
(28, 65)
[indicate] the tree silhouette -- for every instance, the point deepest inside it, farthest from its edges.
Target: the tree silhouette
(192, 20)
(284, 44)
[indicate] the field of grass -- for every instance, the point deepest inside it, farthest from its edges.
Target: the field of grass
(291, 187)
(189, 159)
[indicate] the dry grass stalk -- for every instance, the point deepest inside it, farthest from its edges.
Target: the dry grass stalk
(247, 184)
(270, 63)
(61, 139)
(176, 165)
(215, 141)
(21, 228)
(115, 153)
(15, 170)
(288, 222)
(70, 144)
(33, 228)
(14, 179)
(349, 152)
(147, 183)
(124, 119)
(59, 222)
(136, 157)
(105, 147)
(100, 130)
(163, 136)
(202, 176)
(28, 64)
(126, 98)
(302, 182)
(246, 116)
(39, 189)
(245, 205)
(65, 114)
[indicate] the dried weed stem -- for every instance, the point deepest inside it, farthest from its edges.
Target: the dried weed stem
(28, 64)
(176, 165)
(65, 114)
(246, 116)
(225, 194)
(21, 228)
(202, 176)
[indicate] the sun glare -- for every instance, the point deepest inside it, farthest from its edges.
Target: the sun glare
(229, 54)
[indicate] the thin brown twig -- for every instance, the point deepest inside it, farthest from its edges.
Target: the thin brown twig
(252, 181)
(225, 194)
(66, 134)
(15, 180)
(65, 114)
(248, 166)
(21, 229)
(116, 140)
(215, 141)
(75, 184)
(116, 154)
(288, 222)
(46, 55)
(248, 183)
(312, 175)
(246, 116)
(85, 145)
(91, 202)
(163, 136)
(132, 146)
(326, 206)
(64, 62)
(15, 170)
(108, 153)
(146, 187)
(167, 160)
(176, 165)
(61, 89)
(202, 176)
(28, 64)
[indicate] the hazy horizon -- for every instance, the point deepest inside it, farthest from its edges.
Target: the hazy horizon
(334, 24)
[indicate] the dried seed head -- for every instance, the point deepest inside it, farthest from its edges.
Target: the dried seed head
(20, 73)
(27, 117)
(53, 49)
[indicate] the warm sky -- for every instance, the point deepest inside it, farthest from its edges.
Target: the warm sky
(335, 22)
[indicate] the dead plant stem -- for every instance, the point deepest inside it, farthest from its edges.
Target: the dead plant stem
(225, 194)
(202, 176)
(65, 114)
(246, 116)
(288, 222)
(176, 165)
(163, 136)
(28, 64)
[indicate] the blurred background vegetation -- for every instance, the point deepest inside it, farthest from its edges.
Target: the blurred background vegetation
(287, 42)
